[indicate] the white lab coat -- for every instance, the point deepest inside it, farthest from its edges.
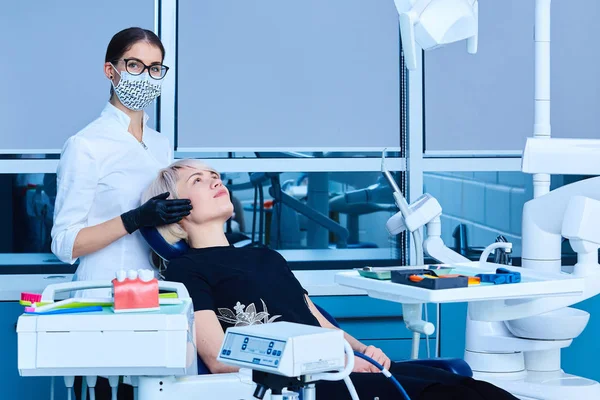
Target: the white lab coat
(102, 173)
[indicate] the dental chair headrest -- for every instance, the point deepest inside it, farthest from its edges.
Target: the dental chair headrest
(161, 247)
(168, 251)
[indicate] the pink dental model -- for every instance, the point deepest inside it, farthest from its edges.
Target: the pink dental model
(135, 291)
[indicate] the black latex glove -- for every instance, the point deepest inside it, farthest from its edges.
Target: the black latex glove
(156, 212)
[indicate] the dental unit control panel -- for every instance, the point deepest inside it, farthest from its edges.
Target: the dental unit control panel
(252, 350)
(289, 356)
(284, 348)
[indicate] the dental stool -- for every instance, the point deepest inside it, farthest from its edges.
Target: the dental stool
(167, 252)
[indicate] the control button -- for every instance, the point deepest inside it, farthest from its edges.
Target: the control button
(244, 347)
(228, 352)
(277, 353)
(268, 351)
(245, 340)
(276, 362)
(271, 344)
(224, 352)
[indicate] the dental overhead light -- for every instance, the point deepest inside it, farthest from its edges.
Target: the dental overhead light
(434, 23)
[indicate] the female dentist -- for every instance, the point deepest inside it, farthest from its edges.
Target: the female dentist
(105, 167)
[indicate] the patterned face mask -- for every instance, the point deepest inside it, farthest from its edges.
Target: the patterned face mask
(136, 92)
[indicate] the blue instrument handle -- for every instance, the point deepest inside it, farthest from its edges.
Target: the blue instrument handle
(502, 276)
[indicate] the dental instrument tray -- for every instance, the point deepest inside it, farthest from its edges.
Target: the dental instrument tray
(385, 273)
(428, 279)
(534, 283)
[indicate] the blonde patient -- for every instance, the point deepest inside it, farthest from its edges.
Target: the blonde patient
(232, 286)
(196, 181)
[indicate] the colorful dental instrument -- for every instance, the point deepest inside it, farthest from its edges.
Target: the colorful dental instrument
(33, 310)
(502, 276)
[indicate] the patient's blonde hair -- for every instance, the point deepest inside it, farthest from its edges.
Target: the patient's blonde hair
(166, 181)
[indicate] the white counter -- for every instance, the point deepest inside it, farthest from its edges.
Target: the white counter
(11, 286)
(317, 283)
(299, 255)
(29, 259)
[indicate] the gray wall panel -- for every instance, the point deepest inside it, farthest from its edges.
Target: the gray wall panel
(274, 73)
(52, 68)
(486, 101)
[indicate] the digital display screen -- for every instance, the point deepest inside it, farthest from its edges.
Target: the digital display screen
(253, 350)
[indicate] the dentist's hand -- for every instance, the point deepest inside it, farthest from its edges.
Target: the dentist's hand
(156, 212)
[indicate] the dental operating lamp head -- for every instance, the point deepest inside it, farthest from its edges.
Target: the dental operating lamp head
(434, 23)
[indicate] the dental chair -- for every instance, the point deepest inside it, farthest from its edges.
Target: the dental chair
(167, 252)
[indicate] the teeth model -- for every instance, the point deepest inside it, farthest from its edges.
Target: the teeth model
(135, 291)
(146, 275)
(121, 275)
(132, 274)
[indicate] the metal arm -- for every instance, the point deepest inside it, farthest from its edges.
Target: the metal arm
(315, 216)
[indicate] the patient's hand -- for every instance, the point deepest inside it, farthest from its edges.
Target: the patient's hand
(361, 365)
(378, 355)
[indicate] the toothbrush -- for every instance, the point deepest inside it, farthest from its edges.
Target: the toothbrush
(28, 299)
(32, 310)
(164, 299)
(73, 303)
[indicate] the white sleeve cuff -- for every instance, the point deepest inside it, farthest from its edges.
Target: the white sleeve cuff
(62, 245)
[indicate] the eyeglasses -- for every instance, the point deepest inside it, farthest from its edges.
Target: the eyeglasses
(137, 67)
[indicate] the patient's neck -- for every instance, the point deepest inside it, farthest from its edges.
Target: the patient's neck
(207, 235)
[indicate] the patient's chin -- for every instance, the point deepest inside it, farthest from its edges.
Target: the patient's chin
(222, 214)
(227, 210)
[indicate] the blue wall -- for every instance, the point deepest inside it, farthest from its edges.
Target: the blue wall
(13, 386)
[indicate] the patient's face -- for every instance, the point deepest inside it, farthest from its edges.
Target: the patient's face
(210, 199)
